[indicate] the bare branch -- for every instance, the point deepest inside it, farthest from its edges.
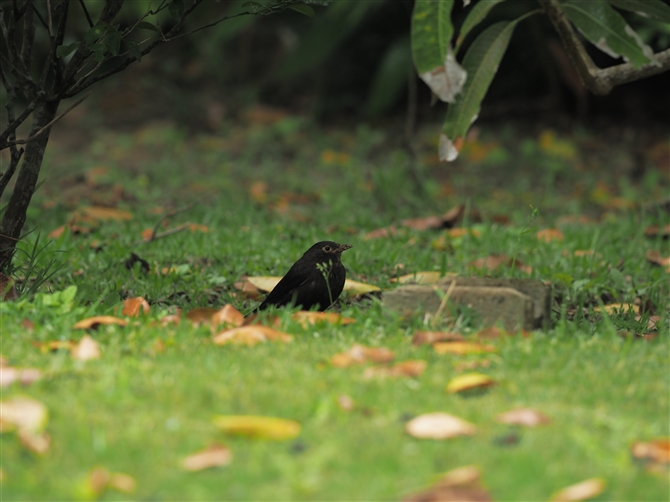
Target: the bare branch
(49, 21)
(597, 80)
(28, 36)
(16, 122)
(33, 137)
(13, 163)
(88, 16)
(39, 16)
(224, 18)
(28, 85)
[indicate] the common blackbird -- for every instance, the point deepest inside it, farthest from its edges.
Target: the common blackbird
(315, 280)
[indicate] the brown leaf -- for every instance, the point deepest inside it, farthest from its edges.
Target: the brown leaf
(248, 289)
(638, 336)
(656, 450)
(523, 416)
(86, 349)
(491, 333)
(170, 319)
(196, 227)
(26, 376)
(438, 425)
(410, 368)
(201, 315)
(214, 455)
(494, 262)
(655, 258)
(458, 485)
(250, 335)
(28, 324)
(430, 337)
(427, 223)
(461, 348)
(549, 234)
(122, 482)
(57, 232)
(228, 315)
(259, 191)
(581, 491)
(656, 231)
(95, 321)
(54, 345)
(360, 354)
(132, 307)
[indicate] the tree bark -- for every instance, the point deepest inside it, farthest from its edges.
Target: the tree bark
(15, 213)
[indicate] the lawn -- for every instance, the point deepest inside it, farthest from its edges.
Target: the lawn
(264, 194)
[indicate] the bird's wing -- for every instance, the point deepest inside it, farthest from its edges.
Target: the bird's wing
(298, 275)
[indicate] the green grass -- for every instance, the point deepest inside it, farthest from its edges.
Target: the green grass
(141, 412)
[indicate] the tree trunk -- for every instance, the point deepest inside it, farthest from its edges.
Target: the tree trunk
(15, 214)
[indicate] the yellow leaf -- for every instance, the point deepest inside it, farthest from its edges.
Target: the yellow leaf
(614, 308)
(419, 278)
(257, 426)
(469, 381)
(359, 288)
(581, 491)
(462, 348)
(307, 318)
(264, 282)
(438, 425)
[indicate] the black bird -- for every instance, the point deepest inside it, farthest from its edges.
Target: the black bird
(315, 280)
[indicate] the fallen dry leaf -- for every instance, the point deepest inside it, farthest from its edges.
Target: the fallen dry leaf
(308, 318)
(638, 336)
(469, 381)
(100, 479)
(257, 427)
(430, 337)
(493, 262)
(250, 335)
(360, 354)
(95, 321)
(462, 348)
(490, 333)
(132, 307)
(656, 231)
(54, 345)
(37, 442)
(23, 413)
(410, 368)
(550, 234)
(170, 319)
(458, 485)
(104, 213)
(227, 315)
(248, 290)
(214, 455)
(345, 402)
(527, 417)
(26, 376)
(656, 450)
(122, 482)
(201, 315)
(429, 277)
(581, 491)
(359, 288)
(655, 258)
(86, 349)
(439, 425)
(196, 227)
(616, 308)
(258, 191)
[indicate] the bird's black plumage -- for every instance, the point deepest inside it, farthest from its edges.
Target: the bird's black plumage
(315, 280)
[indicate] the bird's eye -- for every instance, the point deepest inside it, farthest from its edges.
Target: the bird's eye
(326, 248)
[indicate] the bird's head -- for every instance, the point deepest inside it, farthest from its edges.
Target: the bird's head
(327, 251)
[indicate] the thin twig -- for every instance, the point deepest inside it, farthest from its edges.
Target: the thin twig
(34, 136)
(88, 16)
(180, 228)
(154, 233)
(50, 22)
(443, 303)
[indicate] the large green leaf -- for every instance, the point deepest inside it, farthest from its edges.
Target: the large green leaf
(605, 28)
(474, 17)
(654, 8)
(431, 33)
(481, 62)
